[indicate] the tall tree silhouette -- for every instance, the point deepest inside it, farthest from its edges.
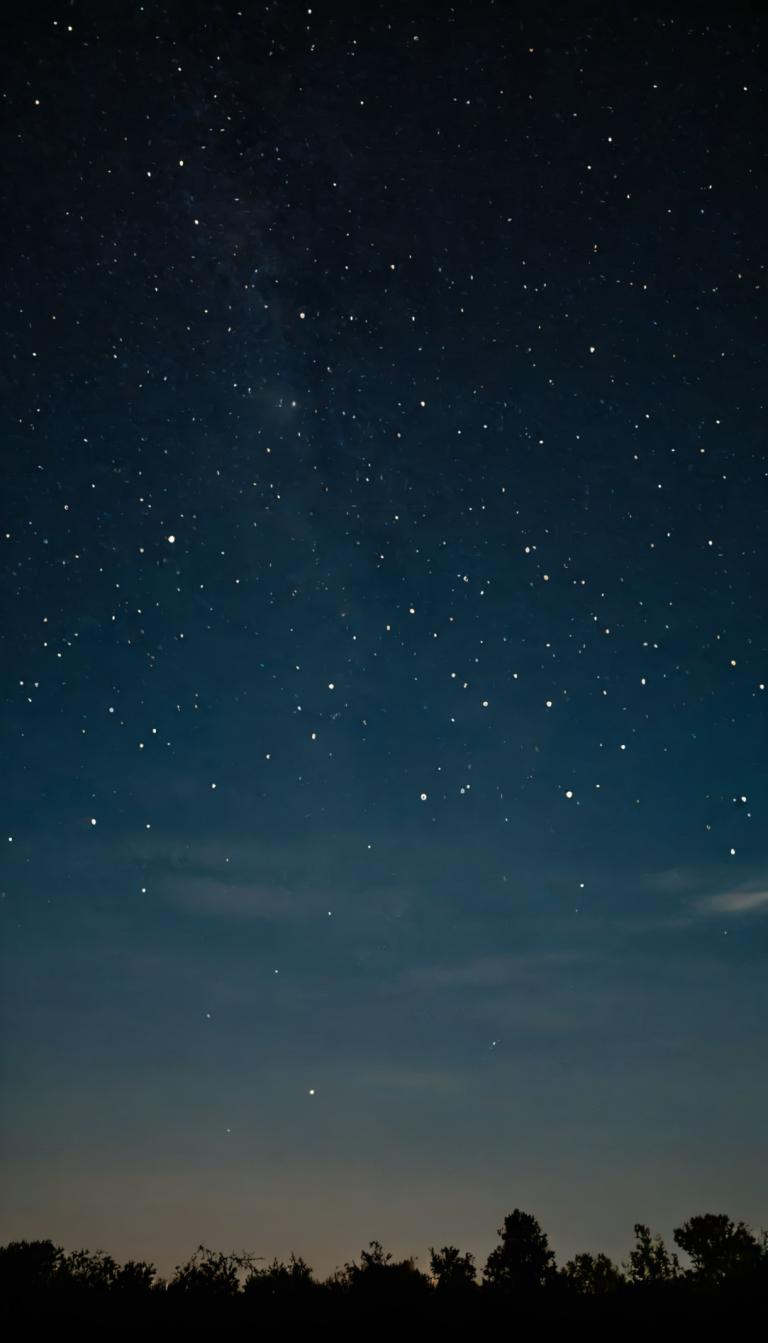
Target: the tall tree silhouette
(718, 1248)
(523, 1261)
(650, 1261)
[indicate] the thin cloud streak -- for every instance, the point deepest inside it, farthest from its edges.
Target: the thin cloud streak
(492, 971)
(708, 893)
(742, 901)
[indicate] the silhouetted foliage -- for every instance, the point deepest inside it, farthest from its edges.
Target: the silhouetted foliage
(28, 1268)
(452, 1270)
(89, 1271)
(135, 1279)
(379, 1277)
(651, 1261)
(209, 1275)
(213, 1291)
(523, 1262)
(278, 1281)
(718, 1248)
(593, 1274)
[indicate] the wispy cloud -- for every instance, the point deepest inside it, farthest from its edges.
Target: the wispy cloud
(265, 881)
(708, 891)
(744, 900)
(232, 880)
(487, 972)
(204, 895)
(436, 1080)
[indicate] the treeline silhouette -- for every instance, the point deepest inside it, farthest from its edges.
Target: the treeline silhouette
(726, 1270)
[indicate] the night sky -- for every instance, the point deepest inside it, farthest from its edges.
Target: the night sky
(385, 648)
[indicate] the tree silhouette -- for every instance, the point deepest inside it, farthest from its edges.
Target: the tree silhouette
(209, 1275)
(28, 1268)
(452, 1270)
(135, 1279)
(593, 1275)
(89, 1271)
(651, 1261)
(379, 1277)
(523, 1262)
(41, 1284)
(718, 1248)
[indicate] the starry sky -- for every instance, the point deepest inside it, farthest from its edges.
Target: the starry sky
(384, 631)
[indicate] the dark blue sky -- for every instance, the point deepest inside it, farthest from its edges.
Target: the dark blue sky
(384, 625)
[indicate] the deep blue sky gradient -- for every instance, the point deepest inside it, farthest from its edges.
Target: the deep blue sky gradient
(437, 343)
